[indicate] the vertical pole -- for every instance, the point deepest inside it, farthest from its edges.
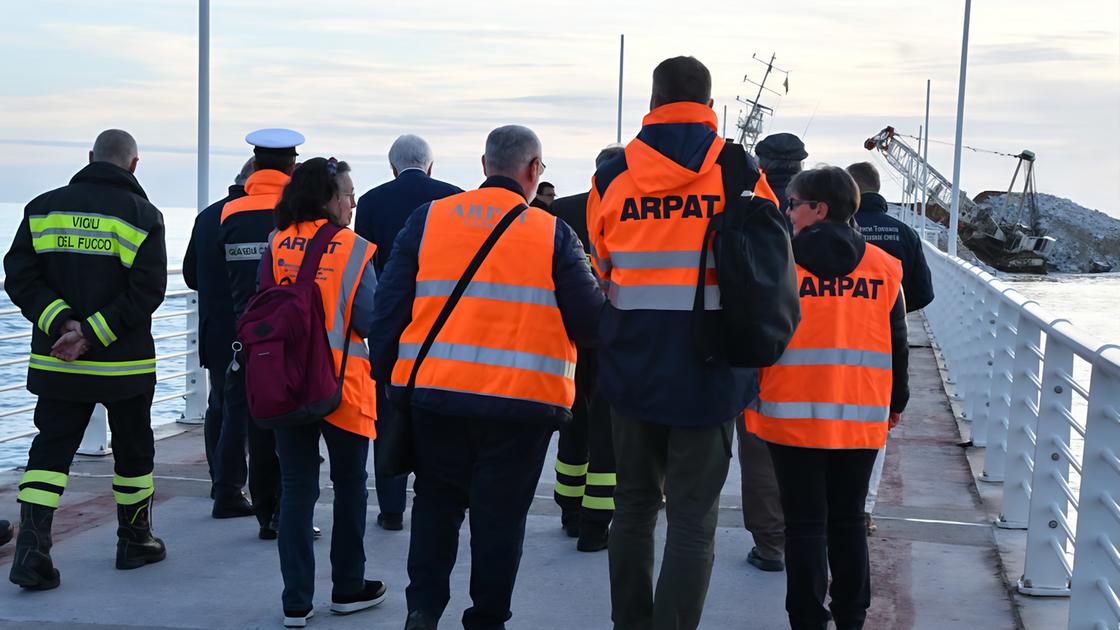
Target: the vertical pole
(925, 168)
(195, 393)
(724, 121)
(954, 211)
(917, 180)
(621, 57)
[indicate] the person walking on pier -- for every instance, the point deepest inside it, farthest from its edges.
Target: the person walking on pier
(243, 233)
(320, 196)
(826, 405)
(88, 267)
(204, 270)
(380, 216)
(672, 413)
(780, 155)
(476, 321)
(585, 474)
(901, 241)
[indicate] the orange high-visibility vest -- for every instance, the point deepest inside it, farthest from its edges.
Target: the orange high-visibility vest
(263, 189)
(506, 337)
(650, 246)
(340, 271)
(832, 386)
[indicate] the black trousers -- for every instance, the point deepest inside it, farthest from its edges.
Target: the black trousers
(390, 490)
(762, 502)
(492, 468)
(585, 476)
(688, 465)
(822, 496)
(264, 467)
(62, 423)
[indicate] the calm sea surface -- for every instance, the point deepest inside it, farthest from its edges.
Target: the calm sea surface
(1087, 301)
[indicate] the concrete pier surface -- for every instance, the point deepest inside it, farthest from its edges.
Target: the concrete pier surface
(935, 561)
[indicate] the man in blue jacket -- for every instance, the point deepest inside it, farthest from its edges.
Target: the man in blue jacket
(204, 271)
(381, 214)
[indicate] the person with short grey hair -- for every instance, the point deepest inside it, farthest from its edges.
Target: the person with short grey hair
(380, 215)
(116, 146)
(410, 151)
(481, 419)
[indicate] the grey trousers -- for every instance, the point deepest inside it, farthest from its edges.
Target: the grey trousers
(762, 503)
(689, 465)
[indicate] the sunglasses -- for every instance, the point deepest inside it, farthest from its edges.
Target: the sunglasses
(793, 203)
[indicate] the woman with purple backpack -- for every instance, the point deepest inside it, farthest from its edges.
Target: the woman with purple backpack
(311, 221)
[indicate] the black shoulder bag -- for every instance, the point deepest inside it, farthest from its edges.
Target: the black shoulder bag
(396, 456)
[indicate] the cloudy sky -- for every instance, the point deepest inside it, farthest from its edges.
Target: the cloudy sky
(353, 76)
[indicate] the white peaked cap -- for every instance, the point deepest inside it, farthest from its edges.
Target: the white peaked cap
(275, 138)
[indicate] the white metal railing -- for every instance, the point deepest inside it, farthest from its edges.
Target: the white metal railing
(1012, 367)
(194, 393)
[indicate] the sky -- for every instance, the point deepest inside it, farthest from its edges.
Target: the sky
(354, 76)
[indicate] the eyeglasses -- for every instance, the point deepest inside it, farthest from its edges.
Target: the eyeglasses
(793, 203)
(541, 162)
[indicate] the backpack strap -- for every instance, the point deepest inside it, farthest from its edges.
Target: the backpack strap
(313, 255)
(456, 293)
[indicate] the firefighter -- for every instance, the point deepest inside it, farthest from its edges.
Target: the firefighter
(243, 233)
(87, 268)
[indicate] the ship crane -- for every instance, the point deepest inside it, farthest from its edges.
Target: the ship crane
(1006, 245)
(752, 122)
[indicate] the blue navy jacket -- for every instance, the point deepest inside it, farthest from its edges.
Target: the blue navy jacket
(902, 242)
(577, 295)
(204, 270)
(383, 210)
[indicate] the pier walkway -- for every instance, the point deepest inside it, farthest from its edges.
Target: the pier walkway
(935, 562)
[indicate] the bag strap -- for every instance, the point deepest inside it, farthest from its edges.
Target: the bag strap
(456, 293)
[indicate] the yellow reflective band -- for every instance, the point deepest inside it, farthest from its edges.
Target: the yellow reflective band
(50, 313)
(143, 481)
(92, 368)
(571, 470)
(598, 503)
(45, 476)
(132, 498)
(601, 479)
(86, 233)
(101, 328)
(565, 490)
(38, 497)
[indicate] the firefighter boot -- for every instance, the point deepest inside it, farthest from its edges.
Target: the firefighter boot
(32, 567)
(135, 544)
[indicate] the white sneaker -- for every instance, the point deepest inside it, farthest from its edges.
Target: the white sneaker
(297, 618)
(370, 596)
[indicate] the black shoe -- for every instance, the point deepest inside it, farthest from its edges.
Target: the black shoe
(267, 533)
(32, 567)
(592, 539)
(5, 532)
(392, 521)
(135, 544)
(297, 618)
(370, 596)
(235, 507)
(569, 521)
(421, 620)
(764, 564)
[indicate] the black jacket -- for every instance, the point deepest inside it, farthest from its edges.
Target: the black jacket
(900, 241)
(573, 211)
(204, 270)
(833, 250)
(383, 210)
(94, 252)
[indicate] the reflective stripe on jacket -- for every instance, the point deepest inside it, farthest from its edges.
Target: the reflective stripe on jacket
(831, 388)
(340, 272)
(506, 337)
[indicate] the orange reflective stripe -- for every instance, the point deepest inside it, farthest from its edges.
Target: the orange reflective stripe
(506, 337)
(832, 386)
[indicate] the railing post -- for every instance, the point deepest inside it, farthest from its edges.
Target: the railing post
(981, 357)
(995, 459)
(1022, 419)
(1044, 570)
(96, 438)
(1096, 565)
(197, 390)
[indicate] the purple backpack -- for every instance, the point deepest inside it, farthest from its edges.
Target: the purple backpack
(289, 369)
